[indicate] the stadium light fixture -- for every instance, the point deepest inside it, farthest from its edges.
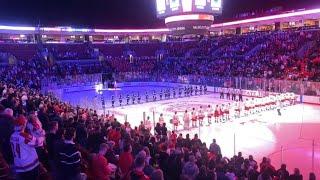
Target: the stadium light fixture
(17, 28)
(189, 17)
(51, 29)
(130, 30)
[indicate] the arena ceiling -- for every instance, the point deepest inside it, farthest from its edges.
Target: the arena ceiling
(117, 13)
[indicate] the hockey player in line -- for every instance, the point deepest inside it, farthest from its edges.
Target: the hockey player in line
(209, 114)
(160, 95)
(205, 89)
(251, 106)
(147, 97)
(216, 114)
(161, 119)
(148, 124)
(240, 95)
(194, 117)
(139, 98)
(112, 101)
(221, 94)
(201, 116)
(175, 121)
(278, 106)
(222, 113)
(246, 107)
(154, 96)
(186, 120)
(180, 92)
(228, 93)
(120, 100)
(233, 95)
(227, 112)
(128, 99)
(237, 109)
(133, 99)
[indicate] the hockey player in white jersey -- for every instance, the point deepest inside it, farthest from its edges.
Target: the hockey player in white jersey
(175, 121)
(161, 119)
(209, 114)
(194, 117)
(186, 120)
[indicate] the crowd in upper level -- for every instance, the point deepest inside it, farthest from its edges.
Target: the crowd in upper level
(292, 55)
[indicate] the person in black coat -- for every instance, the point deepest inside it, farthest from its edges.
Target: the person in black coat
(296, 175)
(44, 118)
(82, 134)
(68, 157)
(6, 129)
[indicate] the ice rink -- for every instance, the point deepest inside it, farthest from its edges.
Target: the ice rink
(293, 138)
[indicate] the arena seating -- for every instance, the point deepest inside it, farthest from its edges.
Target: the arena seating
(68, 51)
(20, 51)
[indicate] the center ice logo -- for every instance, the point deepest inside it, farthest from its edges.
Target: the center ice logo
(182, 106)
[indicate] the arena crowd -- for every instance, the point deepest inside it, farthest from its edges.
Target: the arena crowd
(44, 138)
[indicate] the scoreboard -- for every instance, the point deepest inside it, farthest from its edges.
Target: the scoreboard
(167, 8)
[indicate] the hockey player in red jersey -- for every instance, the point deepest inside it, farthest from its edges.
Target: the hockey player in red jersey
(194, 117)
(209, 114)
(201, 116)
(221, 113)
(216, 114)
(227, 112)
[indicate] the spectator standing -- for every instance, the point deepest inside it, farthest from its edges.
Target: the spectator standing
(296, 175)
(6, 129)
(282, 173)
(99, 164)
(157, 175)
(253, 174)
(137, 173)
(126, 160)
(215, 148)
(69, 157)
(4, 168)
(312, 176)
(190, 169)
(23, 145)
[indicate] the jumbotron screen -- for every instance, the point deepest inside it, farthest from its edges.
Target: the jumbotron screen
(167, 8)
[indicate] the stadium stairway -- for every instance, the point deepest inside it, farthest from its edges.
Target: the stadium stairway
(303, 50)
(254, 50)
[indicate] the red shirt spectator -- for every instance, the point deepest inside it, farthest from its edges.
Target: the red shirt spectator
(100, 169)
(115, 136)
(126, 160)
